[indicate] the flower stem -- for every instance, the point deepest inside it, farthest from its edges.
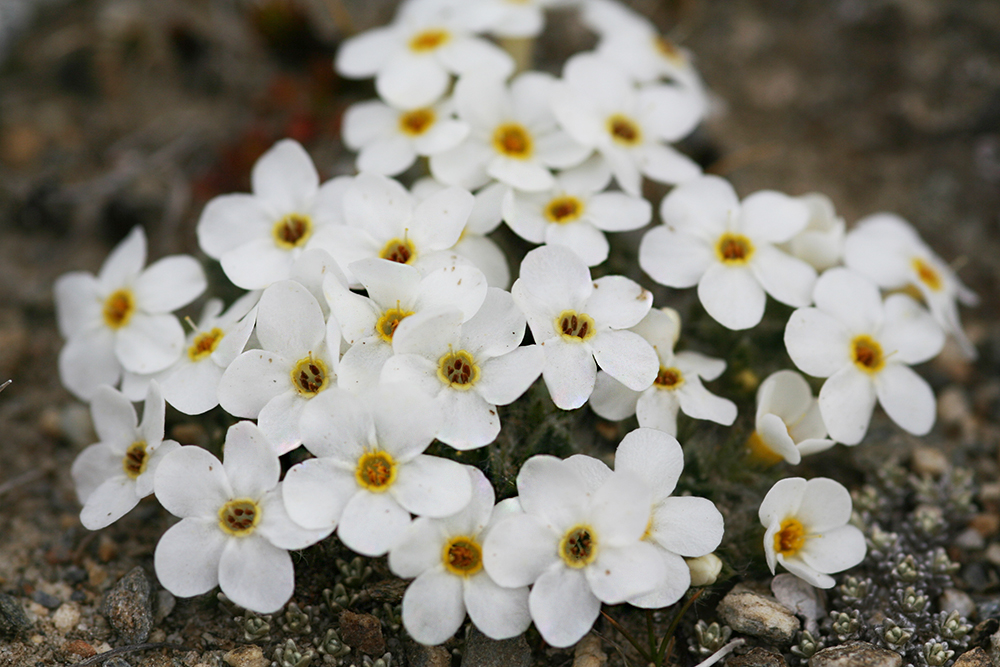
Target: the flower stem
(627, 635)
(650, 632)
(661, 652)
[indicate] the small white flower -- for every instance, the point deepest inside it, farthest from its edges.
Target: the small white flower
(446, 558)
(257, 237)
(677, 385)
(575, 213)
(821, 242)
(234, 532)
(581, 323)
(370, 472)
(119, 320)
(296, 363)
(888, 250)
(113, 475)
(726, 247)
(599, 107)
(468, 368)
(808, 531)
(864, 348)
(789, 424)
(578, 541)
(704, 569)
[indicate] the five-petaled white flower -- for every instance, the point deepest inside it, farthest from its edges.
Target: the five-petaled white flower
(864, 348)
(120, 320)
(808, 531)
(788, 424)
(726, 247)
(113, 475)
(234, 531)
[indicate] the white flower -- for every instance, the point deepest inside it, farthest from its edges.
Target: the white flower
(599, 107)
(677, 385)
(575, 213)
(864, 348)
(389, 139)
(577, 320)
(727, 248)
(468, 368)
(370, 472)
(821, 242)
(413, 57)
(704, 569)
(807, 530)
(297, 363)
(257, 237)
(234, 531)
(446, 558)
(119, 320)
(888, 250)
(788, 424)
(113, 475)
(395, 293)
(578, 541)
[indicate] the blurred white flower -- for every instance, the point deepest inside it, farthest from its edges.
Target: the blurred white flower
(821, 242)
(788, 424)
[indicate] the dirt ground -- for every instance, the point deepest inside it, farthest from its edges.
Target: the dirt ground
(122, 112)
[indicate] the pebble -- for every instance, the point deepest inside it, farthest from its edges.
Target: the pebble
(117, 662)
(801, 598)
(977, 657)
(165, 603)
(66, 617)
(129, 607)
(985, 524)
(48, 601)
(362, 632)
(953, 599)
(248, 655)
(418, 655)
(78, 650)
(13, 620)
(953, 406)
(993, 553)
(758, 616)
(757, 657)
(970, 538)
(589, 653)
(481, 651)
(856, 654)
(929, 461)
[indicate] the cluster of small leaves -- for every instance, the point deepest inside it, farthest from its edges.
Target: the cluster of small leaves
(708, 638)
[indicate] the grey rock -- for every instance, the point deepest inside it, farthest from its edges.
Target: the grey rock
(481, 651)
(13, 620)
(757, 657)
(46, 600)
(418, 655)
(129, 607)
(953, 599)
(977, 657)
(758, 616)
(856, 654)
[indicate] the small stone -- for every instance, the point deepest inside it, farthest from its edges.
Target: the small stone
(66, 617)
(589, 652)
(362, 632)
(993, 553)
(989, 492)
(418, 655)
(970, 538)
(13, 620)
(129, 607)
(117, 662)
(929, 461)
(107, 549)
(481, 651)
(953, 599)
(249, 655)
(856, 654)
(77, 650)
(986, 523)
(953, 405)
(758, 616)
(757, 657)
(48, 601)
(165, 603)
(157, 636)
(977, 657)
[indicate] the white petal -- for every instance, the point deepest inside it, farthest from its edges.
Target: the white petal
(676, 582)
(278, 528)
(316, 491)
(251, 381)
(695, 363)
(657, 408)
(664, 164)
(519, 549)
(773, 433)
(846, 400)
(826, 504)
(504, 379)
(250, 461)
(366, 122)
(569, 373)
(701, 207)
(433, 607)
(372, 523)
(626, 357)
(525, 175)
(552, 490)
(285, 177)
(835, 550)
(169, 284)
(499, 613)
(228, 221)
(675, 259)
(557, 150)
(464, 165)
(618, 212)
(290, 322)
(850, 298)
(363, 55)
(78, 303)
(909, 333)
(419, 549)
(124, 262)
(772, 217)
(670, 112)
(817, 343)
(700, 403)
(109, 502)
(255, 574)
(906, 398)
(407, 82)
(92, 467)
(732, 296)
(193, 388)
(611, 399)
(618, 302)
(654, 456)
(190, 482)
(377, 204)
(279, 421)
(257, 263)
(432, 486)
(187, 556)
(88, 362)
(469, 422)
(438, 221)
(149, 343)
(687, 526)
(442, 136)
(787, 279)
(556, 275)
(114, 418)
(563, 606)
(337, 424)
(623, 572)
(472, 55)
(619, 510)
(583, 238)
(799, 568)
(389, 156)
(409, 428)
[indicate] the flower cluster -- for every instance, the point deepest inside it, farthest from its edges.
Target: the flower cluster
(377, 320)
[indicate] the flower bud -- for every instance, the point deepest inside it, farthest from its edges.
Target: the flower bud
(704, 569)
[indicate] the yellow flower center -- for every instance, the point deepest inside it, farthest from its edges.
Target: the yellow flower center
(575, 327)
(462, 556)
(867, 354)
(204, 344)
(386, 325)
(760, 452)
(668, 50)
(135, 459)
(927, 274)
(398, 250)
(578, 547)
(624, 130)
(292, 231)
(309, 376)
(239, 517)
(668, 378)
(458, 369)
(790, 538)
(428, 40)
(513, 140)
(376, 471)
(734, 249)
(416, 122)
(118, 308)
(563, 209)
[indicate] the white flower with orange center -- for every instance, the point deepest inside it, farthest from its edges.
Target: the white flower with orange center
(581, 323)
(234, 532)
(113, 475)
(445, 559)
(413, 58)
(389, 140)
(575, 212)
(296, 364)
(599, 106)
(677, 387)
(258, 237)
(888, 250)
(865, 347)
(513, 135)
(808, 531)
(370, 472)
(579, 542)
(788, 425)
(120, 319)
(726, 247)
(468, 368)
